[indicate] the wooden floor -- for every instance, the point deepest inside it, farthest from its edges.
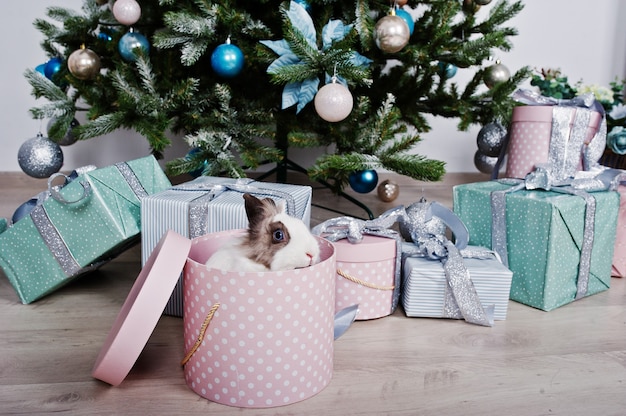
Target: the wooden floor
(570, 361)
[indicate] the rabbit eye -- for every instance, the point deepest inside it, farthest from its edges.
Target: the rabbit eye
(278, 236)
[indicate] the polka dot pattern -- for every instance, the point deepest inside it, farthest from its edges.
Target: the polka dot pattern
(619, 255)
(544, 247)
(375, 265)
(529, 140)
(529, 144)
(270, 343)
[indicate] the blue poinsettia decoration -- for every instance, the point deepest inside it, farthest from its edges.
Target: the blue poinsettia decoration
(303, 92)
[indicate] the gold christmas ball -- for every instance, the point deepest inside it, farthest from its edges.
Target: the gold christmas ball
(470, 6)
(84, 64)
(496, 74)
(482, 2)
(391, 34)
(388, 190)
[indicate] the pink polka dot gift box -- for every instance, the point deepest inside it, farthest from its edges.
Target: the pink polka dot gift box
(251, 339)
(535, 133)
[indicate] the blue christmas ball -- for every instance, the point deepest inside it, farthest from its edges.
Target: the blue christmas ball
(227, 60)
(24, 210)
(447, 70)
(406, 16)
(363, 181)
(129, 43)
(198, 172)
(105, 36)
(41, 68)
(304, 4)
(52, 67)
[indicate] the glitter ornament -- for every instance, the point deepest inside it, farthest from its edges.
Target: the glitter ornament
(127, 12)
(130, 42)
(391, 34)
(388, 190)
(40, 157)
(363, 181)
(84, 64)
(333, 102)
(227, 60)
(416, 222)
(491, 138)
(484, 163)
(496, 74)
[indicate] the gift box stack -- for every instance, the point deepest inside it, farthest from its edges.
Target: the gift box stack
(553, 218)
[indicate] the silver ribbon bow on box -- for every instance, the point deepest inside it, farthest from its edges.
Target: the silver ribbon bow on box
(599, 179)
(198, 208)
(460, 297)
(353, 229)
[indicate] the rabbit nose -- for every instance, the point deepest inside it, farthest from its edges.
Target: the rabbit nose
(310, 256)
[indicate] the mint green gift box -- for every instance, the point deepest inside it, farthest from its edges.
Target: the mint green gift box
(544, 239)
(92, 219)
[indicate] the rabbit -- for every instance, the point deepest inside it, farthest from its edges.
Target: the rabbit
(274, 241)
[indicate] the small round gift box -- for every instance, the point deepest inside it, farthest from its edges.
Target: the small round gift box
(251, 339)
(533, 128)
(366, 275)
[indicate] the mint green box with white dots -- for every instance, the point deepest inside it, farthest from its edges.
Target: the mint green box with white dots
(544, 239)
(92, 219)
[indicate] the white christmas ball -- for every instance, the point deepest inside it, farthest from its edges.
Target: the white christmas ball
(333, 102)
(127, 12)
(391, 34)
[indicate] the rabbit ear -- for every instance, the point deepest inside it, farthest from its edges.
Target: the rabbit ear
(257, 209)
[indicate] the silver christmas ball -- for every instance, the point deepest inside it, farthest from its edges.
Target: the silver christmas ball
(391, 34)
(388, 190)
(491, 138)
(484, 163)
(69, 138)
(417, 223)
(496, 74)
(84, 64)
(40, 157)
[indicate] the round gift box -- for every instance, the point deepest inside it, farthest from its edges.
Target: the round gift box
(366, 276)
(270, 341)
(530, 134)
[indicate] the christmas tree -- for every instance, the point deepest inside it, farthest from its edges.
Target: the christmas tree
(244, 81)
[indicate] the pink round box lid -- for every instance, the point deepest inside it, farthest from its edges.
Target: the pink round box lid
(142, 309)
(371, 248)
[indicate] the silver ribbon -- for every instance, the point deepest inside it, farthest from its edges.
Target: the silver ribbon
(541, 178)
(199, 208)
(567, 145)
(49, 232)
(353, 229)
(460, 297)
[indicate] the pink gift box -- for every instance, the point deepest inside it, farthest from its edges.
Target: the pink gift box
(251, 339)
(366, 276)
(270, 342)
(530, 134)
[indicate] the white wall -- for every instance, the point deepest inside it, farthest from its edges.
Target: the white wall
(586, 40)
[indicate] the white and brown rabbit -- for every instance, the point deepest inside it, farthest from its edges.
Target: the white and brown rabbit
(274, 241)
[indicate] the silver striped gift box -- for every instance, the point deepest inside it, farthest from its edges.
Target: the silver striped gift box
(207, 205)
(424, 286)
